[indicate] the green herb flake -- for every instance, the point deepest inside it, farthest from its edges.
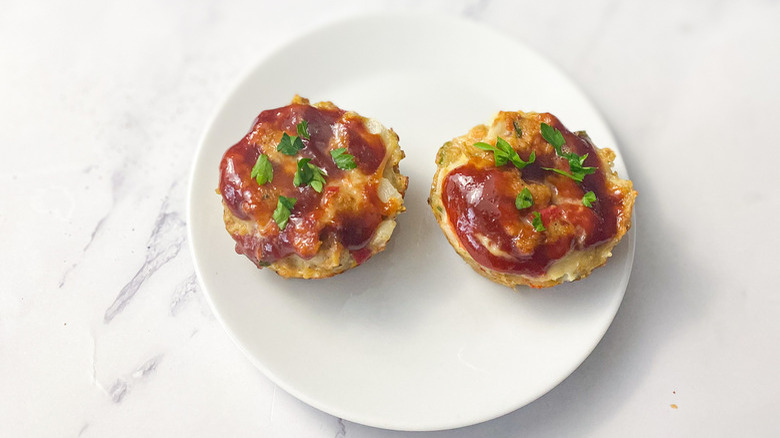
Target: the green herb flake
(262, 171)
(576, 169)
(522, 164)
(284, 207)
(504, 153)
(303, 174)
(589, 199)
(524, 199)
(537, 222)
(310, 174)
(342, 159)
(518, 130)
(577, 178)
(303, 129)
(554, 137)
(578, 172)
(576, 165)
(318, 183)
(499, 156)
(290, 144)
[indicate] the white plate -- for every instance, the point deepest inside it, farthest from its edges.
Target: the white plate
(413, 339)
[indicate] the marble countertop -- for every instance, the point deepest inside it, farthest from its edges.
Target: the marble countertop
(103, 328)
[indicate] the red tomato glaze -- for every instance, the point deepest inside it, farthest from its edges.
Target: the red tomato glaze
(478, 203)
(304, 232)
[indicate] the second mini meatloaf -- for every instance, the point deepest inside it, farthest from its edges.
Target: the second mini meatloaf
(525, 201)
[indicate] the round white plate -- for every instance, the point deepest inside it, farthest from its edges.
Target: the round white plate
(413, 339)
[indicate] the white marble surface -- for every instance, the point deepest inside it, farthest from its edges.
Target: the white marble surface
(104, 332)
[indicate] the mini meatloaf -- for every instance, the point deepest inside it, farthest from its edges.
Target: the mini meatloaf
(525, 201)
(312, 190)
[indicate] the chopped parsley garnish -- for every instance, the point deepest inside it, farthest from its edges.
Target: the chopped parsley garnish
(284, 207)
(262, 171)
(537, 222)
(589, 199)
(290, 144)
(524, 199)
(342, 159)
(576, 170)
(310, 174)
(503, 153)
(554, 137)
(303, 129)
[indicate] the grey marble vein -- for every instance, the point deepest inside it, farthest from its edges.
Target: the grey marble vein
(183, 292)
(118, 391)
(65, 274)
(147, 368)
(84, 250)
(164, 244)
(342, 432)
(116, 182)
(95, 380)
(122, 386)
(83, 429)
(95, 231)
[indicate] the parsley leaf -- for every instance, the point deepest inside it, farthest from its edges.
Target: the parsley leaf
(519, 163)
(554, 137)
(284, 207)
(537, 222)
(310, 174)
(499, 156)
(577, 178)
(303, 129)
(342, 159)
(262, 171)
(524, 199)
(575, 164)
(290, 144)
(589, 199)
(303, 174)
(503, 153)
(577, 170)
(318, 183)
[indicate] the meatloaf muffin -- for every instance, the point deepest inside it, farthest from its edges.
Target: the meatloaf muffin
(312, 190)
(525, 201)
